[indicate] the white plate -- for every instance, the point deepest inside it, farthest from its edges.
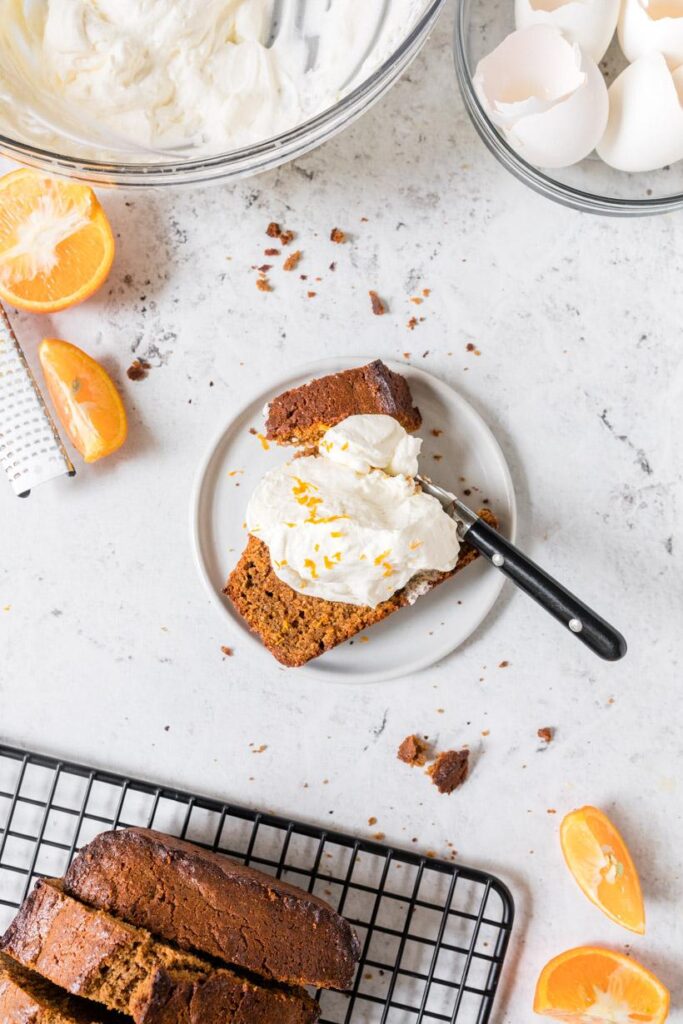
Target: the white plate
(412, 638)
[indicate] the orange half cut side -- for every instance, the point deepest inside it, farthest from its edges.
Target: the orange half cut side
(56, 244)
(588, 985)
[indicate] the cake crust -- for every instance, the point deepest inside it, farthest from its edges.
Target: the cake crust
(208, 903)
(302, 415)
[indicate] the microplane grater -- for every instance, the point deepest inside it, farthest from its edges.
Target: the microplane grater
(31, 451)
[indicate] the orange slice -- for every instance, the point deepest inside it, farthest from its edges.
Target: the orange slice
(596, 986)
(599, 860)
(83, 393)
(56, 244)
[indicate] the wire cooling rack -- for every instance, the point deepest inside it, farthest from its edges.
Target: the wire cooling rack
(433, 934)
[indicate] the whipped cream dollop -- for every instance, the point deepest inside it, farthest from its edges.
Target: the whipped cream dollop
(166, 74)
(350, 524)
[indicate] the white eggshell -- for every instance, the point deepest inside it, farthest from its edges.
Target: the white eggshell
(645, 126)
(547, 97)
(590, 23)
(652, 26)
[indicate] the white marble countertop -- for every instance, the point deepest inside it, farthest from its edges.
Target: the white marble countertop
(111, 650)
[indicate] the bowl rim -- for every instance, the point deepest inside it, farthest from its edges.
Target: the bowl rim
(278, 148)
(543, 184)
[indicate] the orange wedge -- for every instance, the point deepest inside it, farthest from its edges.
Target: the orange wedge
(56, 244)
(599, 860)
(596, 986)
(86, 400)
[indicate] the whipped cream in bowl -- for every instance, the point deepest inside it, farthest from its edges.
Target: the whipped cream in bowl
(350, 524)
(156, 81)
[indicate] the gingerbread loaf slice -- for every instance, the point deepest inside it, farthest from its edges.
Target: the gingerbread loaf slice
(302, 415)
(296, 628)
(94, 955)
(26, 998)
(208, 903)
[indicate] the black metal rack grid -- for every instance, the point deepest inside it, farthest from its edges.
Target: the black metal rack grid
(434, 934)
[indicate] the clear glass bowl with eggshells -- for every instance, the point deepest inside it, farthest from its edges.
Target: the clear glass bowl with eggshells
(244, 161)
(590, 185)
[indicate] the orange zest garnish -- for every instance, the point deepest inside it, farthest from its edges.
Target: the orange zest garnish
(600, 861)
(312, 568)
(381, 558)
(56, 244)
(86, 400)
(588, 985)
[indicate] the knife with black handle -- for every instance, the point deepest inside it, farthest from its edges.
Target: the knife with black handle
(586, 625)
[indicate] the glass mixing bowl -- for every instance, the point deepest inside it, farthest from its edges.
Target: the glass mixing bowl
(251, 159)
(590, 186)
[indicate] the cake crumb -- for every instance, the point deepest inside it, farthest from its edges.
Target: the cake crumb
(311, 295)
(138, 369)
(413, 751)
(259, 750)
(546, 734)
(227, 651)
(372, 820)
(450, 769)
(271, 252)
(274, 230)
(436, 433)
(379, 836)
(333, 265)
(292, 261)
(412, 323)
(263, 284)
(503, 664)
(378, 306)
(551, 810)
(338, 236)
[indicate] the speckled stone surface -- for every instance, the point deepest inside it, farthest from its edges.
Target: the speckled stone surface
(111, 650)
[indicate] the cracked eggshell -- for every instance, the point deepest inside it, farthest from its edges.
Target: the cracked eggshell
(645, 126)
(590, 23)
(547, 97)
(652, 26)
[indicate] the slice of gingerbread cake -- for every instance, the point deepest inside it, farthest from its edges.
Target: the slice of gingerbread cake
(331, 553)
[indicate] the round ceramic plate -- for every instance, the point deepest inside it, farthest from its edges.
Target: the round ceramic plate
(459, 452)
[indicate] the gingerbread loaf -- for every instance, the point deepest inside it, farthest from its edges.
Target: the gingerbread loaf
(96, 956)
(26, 998)
(206, 902)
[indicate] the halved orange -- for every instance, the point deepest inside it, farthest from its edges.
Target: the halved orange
(600, 861)
(56, 244)
(86, 400)
(588, 985)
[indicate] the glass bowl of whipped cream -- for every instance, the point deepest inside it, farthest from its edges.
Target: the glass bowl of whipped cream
(155, 92)
(582, 100)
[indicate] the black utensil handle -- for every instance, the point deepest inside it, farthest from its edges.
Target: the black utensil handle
(603, 639)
